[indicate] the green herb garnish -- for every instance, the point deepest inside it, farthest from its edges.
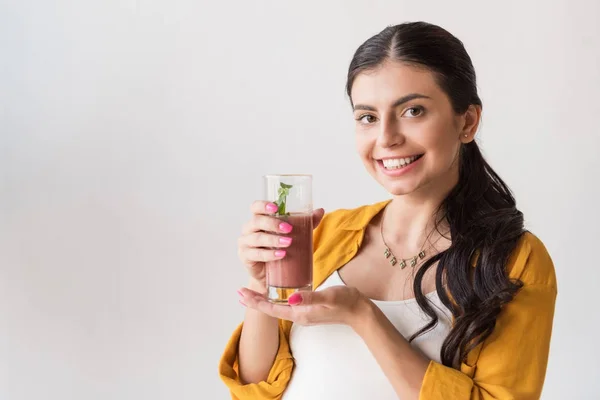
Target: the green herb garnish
(283, 193)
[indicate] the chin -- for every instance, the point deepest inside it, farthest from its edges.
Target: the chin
(397, 186)
(400, 189)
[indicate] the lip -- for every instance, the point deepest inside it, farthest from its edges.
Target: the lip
(399, 171)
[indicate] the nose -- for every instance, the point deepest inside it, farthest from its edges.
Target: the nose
(389, 134)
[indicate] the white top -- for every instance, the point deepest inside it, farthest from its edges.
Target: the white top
(333, 362)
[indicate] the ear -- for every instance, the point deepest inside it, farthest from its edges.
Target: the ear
(469, 124)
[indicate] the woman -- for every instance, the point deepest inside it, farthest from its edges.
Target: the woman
(439, 293)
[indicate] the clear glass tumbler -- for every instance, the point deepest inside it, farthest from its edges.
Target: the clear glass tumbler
(293, 273)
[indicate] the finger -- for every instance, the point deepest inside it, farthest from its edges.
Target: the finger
(325, 297)
(318, 216)
(303, 314)
(266, 223)
(264, 239)
(256, 254)
(249, 292)
(263, 207)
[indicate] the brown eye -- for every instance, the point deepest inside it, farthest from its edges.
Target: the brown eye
(415, 111)
(366, 119)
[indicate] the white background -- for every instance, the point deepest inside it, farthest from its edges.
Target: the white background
(133, 135)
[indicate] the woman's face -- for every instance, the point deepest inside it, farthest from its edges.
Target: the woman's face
(407, 134)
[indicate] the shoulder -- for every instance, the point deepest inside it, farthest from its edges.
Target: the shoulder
(531, 263)
(341, 217)
(337, 238)
(353, 218)
(342, 221)
(333, 224)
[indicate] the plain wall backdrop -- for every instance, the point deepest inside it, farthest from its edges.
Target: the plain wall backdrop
(133, 138)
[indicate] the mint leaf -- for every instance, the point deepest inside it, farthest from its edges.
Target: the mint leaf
(282, 193)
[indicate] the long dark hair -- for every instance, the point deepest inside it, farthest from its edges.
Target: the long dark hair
(481, 212)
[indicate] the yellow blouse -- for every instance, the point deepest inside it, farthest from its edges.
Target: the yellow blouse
(509, 364)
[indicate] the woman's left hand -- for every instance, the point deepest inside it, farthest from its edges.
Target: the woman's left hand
(334, 305)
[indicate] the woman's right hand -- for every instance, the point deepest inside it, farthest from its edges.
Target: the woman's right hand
(264, 239)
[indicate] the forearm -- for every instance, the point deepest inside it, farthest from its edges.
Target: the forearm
(404, 366)
(259, 343)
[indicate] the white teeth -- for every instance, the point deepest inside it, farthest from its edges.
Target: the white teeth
(395, 163)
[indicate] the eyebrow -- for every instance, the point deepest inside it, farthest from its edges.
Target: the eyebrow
(397, 103)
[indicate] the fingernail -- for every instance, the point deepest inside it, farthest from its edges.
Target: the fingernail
(280, 253)
(285, 227)
(271, 207)
(285, 241)
(242, 303)
(240, 293)
(295, 299)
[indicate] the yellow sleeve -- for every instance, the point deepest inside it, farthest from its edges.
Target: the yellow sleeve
(279, 375)
(511, 363)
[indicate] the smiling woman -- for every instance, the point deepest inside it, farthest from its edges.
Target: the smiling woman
(419, 130)
(438, 293)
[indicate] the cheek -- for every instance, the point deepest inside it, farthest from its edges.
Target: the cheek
(363, 146)
(444, 149)
(439, 136)
(440, 141)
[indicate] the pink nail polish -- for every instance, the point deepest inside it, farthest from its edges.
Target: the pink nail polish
(286, 241)
(240, 293)
(285, 227)
(280, 253)
(271, 207)
(295, 299)
(242, 303)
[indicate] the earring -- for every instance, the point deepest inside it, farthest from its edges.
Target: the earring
(466, 135)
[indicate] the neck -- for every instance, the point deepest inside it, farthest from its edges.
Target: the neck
(410, 220)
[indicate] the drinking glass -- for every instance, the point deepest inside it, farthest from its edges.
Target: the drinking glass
(293, 273)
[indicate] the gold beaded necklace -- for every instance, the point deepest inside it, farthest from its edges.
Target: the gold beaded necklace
(403, 261)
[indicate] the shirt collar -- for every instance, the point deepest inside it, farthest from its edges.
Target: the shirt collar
(360, 219)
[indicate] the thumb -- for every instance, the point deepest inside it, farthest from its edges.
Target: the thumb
(318, 216)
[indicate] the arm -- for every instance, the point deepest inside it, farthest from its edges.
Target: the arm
(257, 362)
(259, 343)
(279, 370)
(404, 366)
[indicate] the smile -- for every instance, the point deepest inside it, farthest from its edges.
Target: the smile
(399, 163)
